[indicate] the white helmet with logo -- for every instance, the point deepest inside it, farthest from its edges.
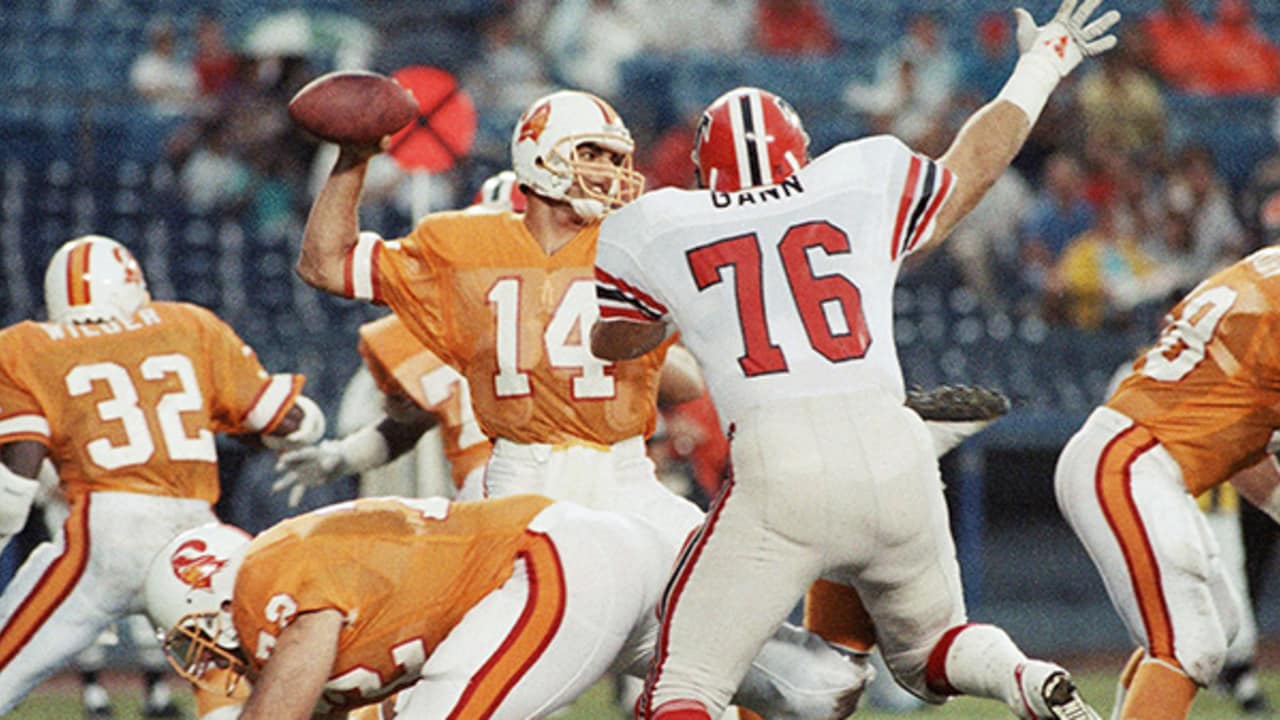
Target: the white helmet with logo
(92, 279)
(188, 596)
(544, 153)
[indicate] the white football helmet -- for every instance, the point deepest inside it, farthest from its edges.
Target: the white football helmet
(93, 279)
(544, 153)
(188, 596)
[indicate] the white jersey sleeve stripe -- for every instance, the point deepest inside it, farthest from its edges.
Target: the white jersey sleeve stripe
(925, 228)
(924, 194)
(24, 425)
(619, 299)
(277, 391)
(361, 269)
(904, 206)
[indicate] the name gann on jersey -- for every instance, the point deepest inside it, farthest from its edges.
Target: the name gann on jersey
(783, 190)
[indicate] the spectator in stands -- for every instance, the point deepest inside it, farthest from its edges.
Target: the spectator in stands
(511, 72)
(1059, 213)
(1242, 60)
(1176, 33)
(165, 80)
(1260, 200)
(793, 27)
(214, 177)
(665, 161)
(215, 64)
(677, 27)
(913, 86)
(984, 245)
(1102, 274)
(588, 40)
(1195, 191)
(1121, 104)
(984, 69)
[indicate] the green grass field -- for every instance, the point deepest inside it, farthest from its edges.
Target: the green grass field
(59, 701)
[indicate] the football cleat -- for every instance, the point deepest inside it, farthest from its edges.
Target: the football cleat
(1063, 699)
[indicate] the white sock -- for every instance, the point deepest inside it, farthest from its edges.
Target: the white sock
(982, 661)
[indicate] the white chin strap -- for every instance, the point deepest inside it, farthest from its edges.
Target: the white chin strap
(586, 208)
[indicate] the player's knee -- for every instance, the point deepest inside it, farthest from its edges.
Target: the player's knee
(1202, 661)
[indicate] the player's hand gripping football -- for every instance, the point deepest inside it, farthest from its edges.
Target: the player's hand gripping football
(1070, 36)
(310, 466)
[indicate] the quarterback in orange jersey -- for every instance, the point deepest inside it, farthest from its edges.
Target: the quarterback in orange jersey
(509, 300)
(1198, 410)
(123, 395)
(505, 608)
(420, 391)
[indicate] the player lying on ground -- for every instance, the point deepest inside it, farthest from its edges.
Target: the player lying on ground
(505, 608)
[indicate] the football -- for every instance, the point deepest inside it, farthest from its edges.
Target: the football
(353, 106)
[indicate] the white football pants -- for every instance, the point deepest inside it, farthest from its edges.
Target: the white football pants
(796, 675)
(550, 632)
(90, 575)
(845, 487)
(1124, 496)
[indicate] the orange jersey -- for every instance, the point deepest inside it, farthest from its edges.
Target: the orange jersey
(402, 366)
(1209, 390)
(133, 405)
(403, 572)
(479, 292)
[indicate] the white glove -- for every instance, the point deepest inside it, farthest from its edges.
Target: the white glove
(310, 428)
(304, 467)
(1051, 51)
(309, 466)
(1069, 37)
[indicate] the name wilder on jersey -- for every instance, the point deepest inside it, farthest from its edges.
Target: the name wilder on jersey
(141, 319)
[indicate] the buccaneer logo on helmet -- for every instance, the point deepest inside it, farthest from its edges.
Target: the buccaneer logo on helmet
(93, 279)
(531, 128)
(193, 565)
(197, 626)
(546, 156)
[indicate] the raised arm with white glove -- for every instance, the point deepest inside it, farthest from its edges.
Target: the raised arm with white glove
(990, 139)
(369, 447)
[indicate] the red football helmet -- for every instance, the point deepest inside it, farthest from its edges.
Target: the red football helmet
(748, 137)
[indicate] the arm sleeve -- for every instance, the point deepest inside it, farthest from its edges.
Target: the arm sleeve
(624, 290)
(914, 188)
(410, 278)
(21, 417)
(244, 397)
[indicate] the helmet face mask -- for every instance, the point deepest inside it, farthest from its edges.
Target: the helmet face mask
(188, 596)
(191, 647)
(746, 138)
(561, 148)
(93, 279)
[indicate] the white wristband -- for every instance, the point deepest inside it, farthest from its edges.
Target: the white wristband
(364, 449)
(1029, 87)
